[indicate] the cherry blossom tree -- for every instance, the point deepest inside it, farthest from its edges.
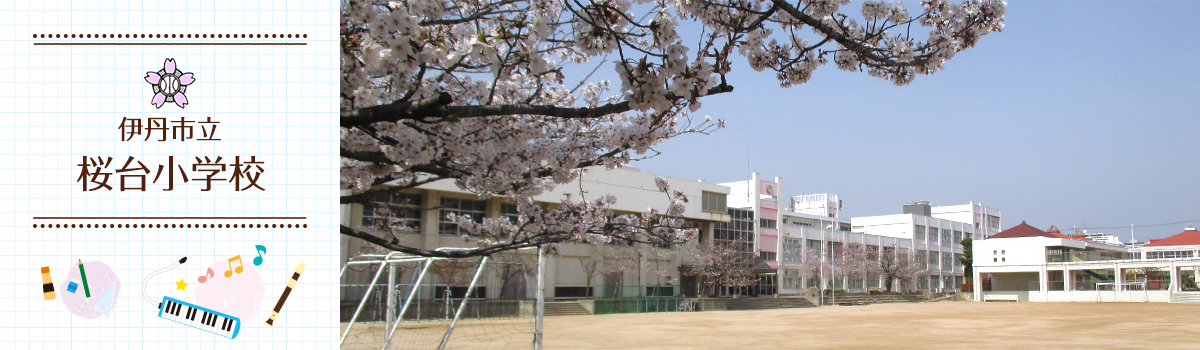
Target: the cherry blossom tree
(900, 265)
(615, 261)
(811, 264)
(490, 94)
(608, 259)
(724, 264)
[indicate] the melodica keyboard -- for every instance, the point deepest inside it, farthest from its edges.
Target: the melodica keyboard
(199, 317)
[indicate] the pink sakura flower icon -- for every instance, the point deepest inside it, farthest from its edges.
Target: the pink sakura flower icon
(169, 84)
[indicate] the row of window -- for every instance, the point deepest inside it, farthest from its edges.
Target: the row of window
(1171, 254)
(403, 210)
(739, 227)
(947, 237)
(712, 202)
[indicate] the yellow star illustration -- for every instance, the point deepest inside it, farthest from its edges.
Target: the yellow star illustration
(179, 285)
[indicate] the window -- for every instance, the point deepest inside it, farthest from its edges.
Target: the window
(933, 235)
(509, 211)
(739, 227)
(844, 228)
(713, 202)
(792, 251)
(946, 238)
(795, 221)
(933, 258)
(663, 291)
(571, 292)
(404, 210)
(766, 223)
(791, 279)
(993, 221)
(958, 237)
(1170, 254)
(767, 256)
(919, 233)
(460, 207)
(945, 261)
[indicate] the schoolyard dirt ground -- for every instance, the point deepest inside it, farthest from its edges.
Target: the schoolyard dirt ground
(939, 325)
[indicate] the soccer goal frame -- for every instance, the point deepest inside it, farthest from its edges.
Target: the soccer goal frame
(392, 259)
(1117, 288)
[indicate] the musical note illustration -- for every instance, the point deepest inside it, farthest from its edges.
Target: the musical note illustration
(261, 250)
(210, 274)
(231, 269)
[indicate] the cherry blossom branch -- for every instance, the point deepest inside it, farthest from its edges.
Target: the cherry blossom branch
(438, 109)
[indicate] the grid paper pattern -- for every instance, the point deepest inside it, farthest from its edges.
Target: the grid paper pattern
(61, 103)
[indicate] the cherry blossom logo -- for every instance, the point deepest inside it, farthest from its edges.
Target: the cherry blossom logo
(169, 84)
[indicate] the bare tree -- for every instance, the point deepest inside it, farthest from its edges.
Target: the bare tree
(513, 269)
(591, 269)
(451, 271)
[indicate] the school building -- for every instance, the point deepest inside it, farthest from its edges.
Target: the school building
(1024, 263)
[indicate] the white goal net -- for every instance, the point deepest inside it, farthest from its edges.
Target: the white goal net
(400, 301)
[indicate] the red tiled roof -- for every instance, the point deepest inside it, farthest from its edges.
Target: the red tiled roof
(1023, 230)
(1188, 237)
(1053, 231)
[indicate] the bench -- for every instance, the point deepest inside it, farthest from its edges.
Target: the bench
(1000, 297)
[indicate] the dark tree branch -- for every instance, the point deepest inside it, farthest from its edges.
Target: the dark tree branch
(434, 110)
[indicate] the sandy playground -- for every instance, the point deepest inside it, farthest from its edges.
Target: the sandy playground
(941, 325)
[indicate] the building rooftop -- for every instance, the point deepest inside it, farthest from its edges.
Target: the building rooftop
(1024, 230)
(1187, 237)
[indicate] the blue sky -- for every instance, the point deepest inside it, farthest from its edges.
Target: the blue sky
(1078, 113)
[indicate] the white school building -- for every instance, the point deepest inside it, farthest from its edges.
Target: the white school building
(1024, 264)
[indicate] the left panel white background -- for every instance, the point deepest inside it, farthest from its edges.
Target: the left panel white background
(59, 104)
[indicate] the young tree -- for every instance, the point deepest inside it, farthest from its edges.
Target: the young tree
(478, 92)
(966, 258)
(727, 264)
(591, 270)
(658, 260)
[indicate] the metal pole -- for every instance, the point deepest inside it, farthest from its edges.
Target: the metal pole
(412, 294)
(540, 302)
(366, 296)
(462, 305)
(389, 314)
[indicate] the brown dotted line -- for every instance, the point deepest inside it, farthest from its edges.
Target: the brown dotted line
(167, 226)
(168, 36)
